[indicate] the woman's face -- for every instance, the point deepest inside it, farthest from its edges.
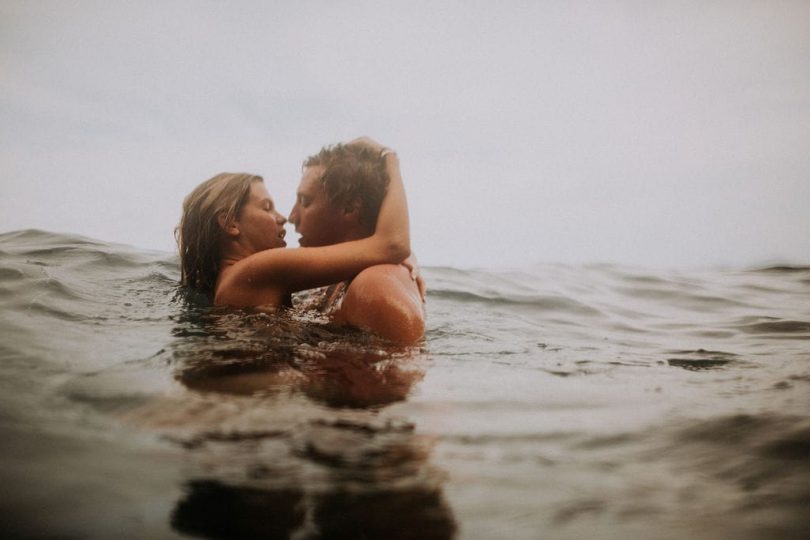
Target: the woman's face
(259, 223)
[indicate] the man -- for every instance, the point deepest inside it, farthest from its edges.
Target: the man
(338, 200)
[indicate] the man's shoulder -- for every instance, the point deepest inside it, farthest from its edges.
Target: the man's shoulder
(385, 300)
(381, 275)
(387, 283)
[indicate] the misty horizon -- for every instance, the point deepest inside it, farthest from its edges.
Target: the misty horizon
(671, 134)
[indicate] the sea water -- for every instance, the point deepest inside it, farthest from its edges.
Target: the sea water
(546, 402)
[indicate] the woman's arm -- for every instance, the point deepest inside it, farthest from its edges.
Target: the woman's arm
(305, 268)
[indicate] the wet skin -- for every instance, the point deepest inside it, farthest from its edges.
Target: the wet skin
(252, 274)
(382, 299)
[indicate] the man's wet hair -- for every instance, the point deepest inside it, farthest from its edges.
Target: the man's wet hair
(353, 174)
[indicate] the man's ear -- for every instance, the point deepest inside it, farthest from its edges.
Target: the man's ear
(351, 210)
(230, 229)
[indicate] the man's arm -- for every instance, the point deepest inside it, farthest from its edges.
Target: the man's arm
(385, 300)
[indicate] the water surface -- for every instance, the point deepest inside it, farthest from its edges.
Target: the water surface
(554, 401)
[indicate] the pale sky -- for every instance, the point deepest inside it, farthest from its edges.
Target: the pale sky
(645, 133)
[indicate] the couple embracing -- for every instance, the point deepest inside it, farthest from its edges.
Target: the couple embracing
(352, 215)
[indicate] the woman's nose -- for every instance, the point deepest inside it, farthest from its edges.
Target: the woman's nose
(281, 219)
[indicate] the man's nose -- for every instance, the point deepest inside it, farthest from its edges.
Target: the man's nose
(294, 214)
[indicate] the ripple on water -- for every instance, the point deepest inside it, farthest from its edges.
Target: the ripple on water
(701, 359)
(517, 414)
(778, 327)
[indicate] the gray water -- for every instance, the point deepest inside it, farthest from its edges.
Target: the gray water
(553, 401)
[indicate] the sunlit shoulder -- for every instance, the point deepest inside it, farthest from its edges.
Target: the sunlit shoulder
(384, 300)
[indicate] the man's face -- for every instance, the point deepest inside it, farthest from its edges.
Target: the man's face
(315, 219)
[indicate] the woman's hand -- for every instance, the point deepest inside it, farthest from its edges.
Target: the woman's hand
(413, 269)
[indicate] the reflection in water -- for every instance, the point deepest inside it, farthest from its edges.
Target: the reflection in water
(371, 497)
(280, 464)
(211, 509)
(237, 352)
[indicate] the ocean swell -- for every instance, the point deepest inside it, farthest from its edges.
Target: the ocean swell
(554, 400)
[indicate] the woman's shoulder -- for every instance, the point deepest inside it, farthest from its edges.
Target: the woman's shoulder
(240, 285)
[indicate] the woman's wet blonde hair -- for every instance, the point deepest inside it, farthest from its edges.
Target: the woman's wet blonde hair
(199, 234)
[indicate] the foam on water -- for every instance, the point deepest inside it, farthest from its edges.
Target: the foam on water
(555, 401)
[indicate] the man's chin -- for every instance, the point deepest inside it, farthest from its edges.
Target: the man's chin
(304, 242)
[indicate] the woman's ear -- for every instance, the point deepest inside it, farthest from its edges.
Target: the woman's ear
(230, 229)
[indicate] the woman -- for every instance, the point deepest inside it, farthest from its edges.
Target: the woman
(230, 229)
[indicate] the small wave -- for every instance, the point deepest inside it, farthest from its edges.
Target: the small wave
(704, 352)
(680, 297)
(56, 249)
(39, 237)
(758, 453)
(54, 288)
(544, 303)
(792, 446)
(776, 437)
(783, 269)
(53, 312)
(701, 359)
(698, 364)
(504, 439)
(777, 327)
(11, 274)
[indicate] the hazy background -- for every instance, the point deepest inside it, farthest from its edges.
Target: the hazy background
(652, 133)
